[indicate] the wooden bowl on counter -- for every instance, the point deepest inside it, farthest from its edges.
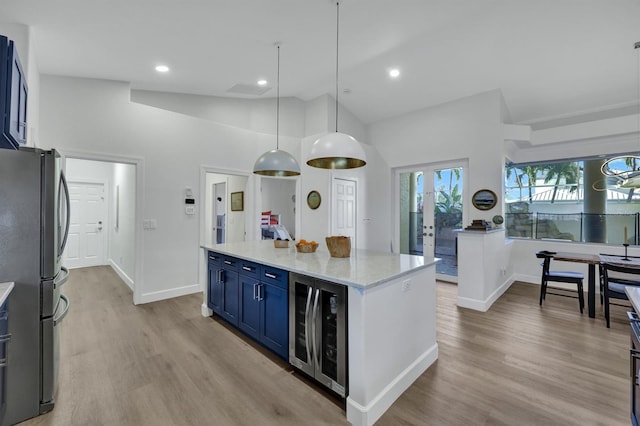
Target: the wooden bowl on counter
(339, 246)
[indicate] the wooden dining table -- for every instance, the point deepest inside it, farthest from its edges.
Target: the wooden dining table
(591, 260)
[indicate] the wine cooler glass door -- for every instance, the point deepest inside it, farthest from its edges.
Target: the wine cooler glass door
(301, 292)
(330, 312)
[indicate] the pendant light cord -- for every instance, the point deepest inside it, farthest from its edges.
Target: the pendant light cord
(278, 103)
(337, 46)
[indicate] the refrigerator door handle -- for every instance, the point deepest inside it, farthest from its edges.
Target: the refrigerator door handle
(64, 277)
(63, 180)
(306, 325)
(60, 317)
(313, 325)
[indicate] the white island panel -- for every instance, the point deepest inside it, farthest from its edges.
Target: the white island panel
(392, 341)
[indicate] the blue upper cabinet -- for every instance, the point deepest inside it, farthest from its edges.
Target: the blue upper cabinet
(13, 96)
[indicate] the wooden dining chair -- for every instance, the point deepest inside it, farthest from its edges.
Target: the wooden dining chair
(615, 278)
(558, 276)
(602, 273)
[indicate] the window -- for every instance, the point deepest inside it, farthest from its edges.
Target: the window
(571, 200)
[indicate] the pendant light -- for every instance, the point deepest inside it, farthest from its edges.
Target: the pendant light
(625, 169)
(277, 162)
(337, 150)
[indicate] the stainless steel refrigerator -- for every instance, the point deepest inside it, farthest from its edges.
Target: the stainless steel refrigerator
(34, 224)
(318, 330)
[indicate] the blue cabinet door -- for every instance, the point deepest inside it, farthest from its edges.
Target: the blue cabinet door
(15, 126)
(230, 294)
(274, 315)
(249, 315)
(215, 288)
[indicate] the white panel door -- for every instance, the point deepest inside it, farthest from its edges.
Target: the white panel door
(85, 245)
(343, 221)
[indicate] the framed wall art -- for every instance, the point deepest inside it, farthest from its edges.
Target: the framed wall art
(237, 201)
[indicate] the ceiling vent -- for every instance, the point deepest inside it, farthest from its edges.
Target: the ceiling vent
(249, 89)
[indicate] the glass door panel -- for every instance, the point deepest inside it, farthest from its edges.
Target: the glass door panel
(430, 213)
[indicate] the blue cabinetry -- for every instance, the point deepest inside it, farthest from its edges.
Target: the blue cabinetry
(223, 286)
(4, 355)
(257, 302)
(13, 97)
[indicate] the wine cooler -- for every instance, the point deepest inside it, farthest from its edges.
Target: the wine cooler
(318, 330)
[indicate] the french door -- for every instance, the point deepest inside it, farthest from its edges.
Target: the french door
(429, 213)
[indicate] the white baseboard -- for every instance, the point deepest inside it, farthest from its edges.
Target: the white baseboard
(532, 279)
(484, 305)
(360, 415)
(123, 276)
(206, 312)
(170, 293)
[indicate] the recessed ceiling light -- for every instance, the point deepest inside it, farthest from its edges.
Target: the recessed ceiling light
(162, 68)
(262, 82)
(394, 72)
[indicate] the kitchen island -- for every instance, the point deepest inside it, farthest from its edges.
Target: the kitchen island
(391, 298)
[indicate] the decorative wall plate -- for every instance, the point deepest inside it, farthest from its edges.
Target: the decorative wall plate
(484, 199)
(313, 200)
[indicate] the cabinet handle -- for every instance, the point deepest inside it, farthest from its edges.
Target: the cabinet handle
(307, 323)
(260, 293)
(213, 258)
(227, 262)
(268, 275)
(5, 338)
(255, 288)
(316, 355)
(246, 268)
(3, 362)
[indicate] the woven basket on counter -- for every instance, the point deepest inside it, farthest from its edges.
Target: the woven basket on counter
(339, 246)
(281, 243)
(306, 248)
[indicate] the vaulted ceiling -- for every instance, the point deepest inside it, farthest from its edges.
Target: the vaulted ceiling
(550, 58)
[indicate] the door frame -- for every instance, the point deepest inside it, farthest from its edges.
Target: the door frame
(250, 204)
(107, 217)
(395, 213)
(138, 163)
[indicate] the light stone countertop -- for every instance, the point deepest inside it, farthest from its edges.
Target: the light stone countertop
(364, 269)
(5, 291)
(633, 293)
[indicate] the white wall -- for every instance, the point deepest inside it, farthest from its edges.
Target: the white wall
(258, 115)
(236, 223)
(469, 128)
(373, 208)
(87, 115)
(122, 255)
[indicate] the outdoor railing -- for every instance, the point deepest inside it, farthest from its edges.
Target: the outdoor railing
(580, 227)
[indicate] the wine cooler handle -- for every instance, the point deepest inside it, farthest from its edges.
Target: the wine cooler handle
(306, 325)
(313, 324)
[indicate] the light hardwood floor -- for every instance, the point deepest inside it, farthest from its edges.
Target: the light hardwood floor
(164, 364)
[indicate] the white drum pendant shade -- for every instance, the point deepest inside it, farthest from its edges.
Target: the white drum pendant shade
(276, 163)
(337, 151)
